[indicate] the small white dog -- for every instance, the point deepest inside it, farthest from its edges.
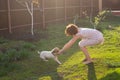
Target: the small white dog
(50, 54)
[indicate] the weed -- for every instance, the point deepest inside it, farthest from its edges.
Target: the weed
(106, 57)
(11, 52)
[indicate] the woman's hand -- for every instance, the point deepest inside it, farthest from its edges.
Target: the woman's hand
(60, 52)
(68, 44)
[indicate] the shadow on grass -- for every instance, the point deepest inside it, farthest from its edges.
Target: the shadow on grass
(51, 76)
(111, 76)
(91, 72)
(50, 72)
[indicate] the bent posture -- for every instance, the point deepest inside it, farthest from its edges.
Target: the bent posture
(88, 36)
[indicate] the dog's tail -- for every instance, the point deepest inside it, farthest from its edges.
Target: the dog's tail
(38, 52)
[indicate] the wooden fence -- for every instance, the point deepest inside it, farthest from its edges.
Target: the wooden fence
(14, 18)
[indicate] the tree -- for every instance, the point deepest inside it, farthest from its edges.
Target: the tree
(97, 19)
(29, 4)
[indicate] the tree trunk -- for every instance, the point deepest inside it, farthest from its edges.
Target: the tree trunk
(31, 14)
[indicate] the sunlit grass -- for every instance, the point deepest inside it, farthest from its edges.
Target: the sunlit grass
(106, 60)
(106, 57)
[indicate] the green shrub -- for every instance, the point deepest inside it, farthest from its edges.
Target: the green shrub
(5, 68)
(29, 46)
(22, 54)
(2, 40)
(11, 52)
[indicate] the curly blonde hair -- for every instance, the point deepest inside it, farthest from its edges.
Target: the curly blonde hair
(71, 30)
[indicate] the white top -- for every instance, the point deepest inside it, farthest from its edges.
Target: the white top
(87, 33)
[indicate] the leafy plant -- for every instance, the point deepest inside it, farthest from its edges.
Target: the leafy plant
(11, 52)
(100, 17)
(2, 40)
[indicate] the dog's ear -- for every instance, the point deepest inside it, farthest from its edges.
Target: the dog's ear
(55, 50)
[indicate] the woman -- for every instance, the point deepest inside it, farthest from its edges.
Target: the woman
(89, 37)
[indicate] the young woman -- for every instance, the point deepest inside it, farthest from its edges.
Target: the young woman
(89, 37)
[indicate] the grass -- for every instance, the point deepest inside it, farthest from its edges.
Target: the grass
(106, 57)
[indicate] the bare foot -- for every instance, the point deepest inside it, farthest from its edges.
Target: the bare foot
(87, 61)
(84, 60)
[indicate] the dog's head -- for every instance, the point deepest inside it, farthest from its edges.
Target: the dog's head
(55, 50)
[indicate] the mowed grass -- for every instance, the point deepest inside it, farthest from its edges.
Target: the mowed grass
(106, 57)
(106, 60)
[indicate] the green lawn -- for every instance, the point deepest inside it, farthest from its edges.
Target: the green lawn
(106, 57)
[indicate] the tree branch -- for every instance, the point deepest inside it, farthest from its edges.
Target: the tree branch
(28, 8)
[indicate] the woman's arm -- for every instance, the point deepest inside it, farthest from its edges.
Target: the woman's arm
(69, 44)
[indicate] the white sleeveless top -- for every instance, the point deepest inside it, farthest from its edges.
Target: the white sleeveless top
(88, 33)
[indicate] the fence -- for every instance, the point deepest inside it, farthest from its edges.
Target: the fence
(14, 18)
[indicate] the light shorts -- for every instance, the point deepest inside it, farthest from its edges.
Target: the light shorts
(90, 42)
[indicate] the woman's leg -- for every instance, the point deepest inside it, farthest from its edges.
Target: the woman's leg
(84, 50)
(82, 45)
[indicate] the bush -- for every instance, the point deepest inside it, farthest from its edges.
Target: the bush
(29, 46)
(23, 54)
(2, 40)
(12, 51)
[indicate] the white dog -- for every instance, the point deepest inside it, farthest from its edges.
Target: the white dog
(50, 54)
